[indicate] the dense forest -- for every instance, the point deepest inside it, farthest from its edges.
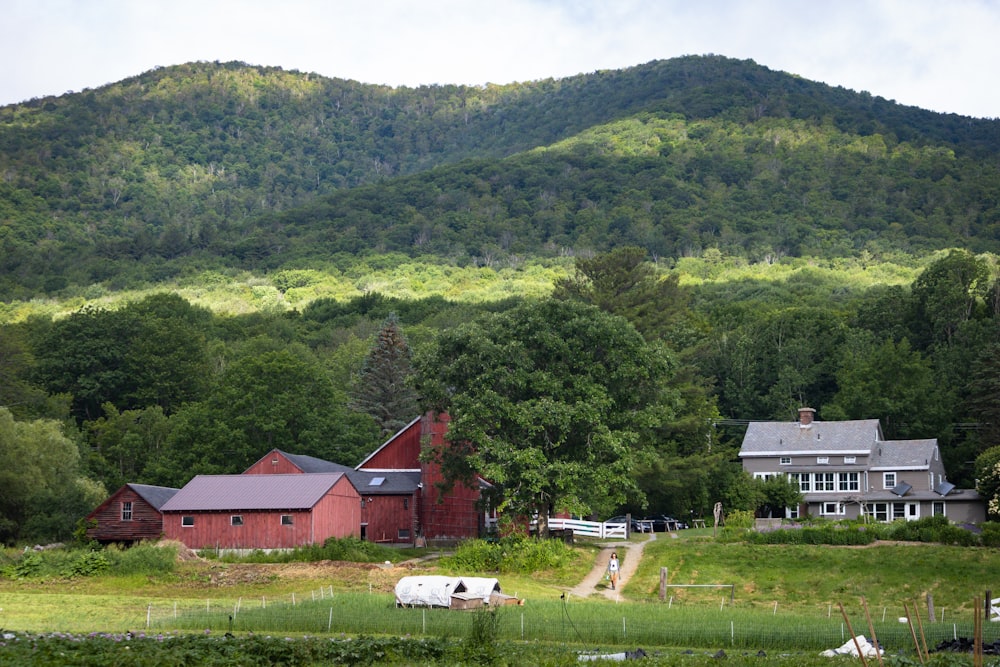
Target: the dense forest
(206, 261)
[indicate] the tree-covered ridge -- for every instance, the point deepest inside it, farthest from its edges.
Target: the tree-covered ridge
(211, 163)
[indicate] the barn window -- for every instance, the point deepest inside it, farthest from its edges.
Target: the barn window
(187, 521)
(286, 520)
(406, 503)
(236, 520)
(404, 533)
(127, 510)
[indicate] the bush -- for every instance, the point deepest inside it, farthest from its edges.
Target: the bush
(510, 554)
(990, 537)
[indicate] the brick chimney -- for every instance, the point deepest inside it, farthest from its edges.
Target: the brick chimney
(806, 416)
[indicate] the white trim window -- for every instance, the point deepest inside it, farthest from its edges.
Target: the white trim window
(824, 481)
(127, 510)
(888, 480)
(850, 459)
(785, 461)
(832, 509)
(822, 460)
(847, 481)
(803, 479)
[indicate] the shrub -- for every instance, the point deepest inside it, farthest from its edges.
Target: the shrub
(509, 554)
(990, 537)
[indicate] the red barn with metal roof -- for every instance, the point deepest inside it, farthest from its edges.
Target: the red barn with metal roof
(279, 511)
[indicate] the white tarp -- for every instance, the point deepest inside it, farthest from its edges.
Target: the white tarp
(849, 648)
(436, 591)
(480, 587)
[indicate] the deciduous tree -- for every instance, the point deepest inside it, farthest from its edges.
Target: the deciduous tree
(551, 401)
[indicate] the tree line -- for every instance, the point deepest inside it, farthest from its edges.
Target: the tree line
(625, 388)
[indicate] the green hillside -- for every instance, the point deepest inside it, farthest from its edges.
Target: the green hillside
(224, 164)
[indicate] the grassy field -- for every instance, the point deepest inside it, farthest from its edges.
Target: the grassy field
(785, 601)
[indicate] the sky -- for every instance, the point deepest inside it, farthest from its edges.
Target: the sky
(934, 54)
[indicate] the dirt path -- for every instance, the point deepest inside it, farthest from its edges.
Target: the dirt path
(629, 553)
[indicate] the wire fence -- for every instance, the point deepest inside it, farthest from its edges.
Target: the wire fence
(591, 623)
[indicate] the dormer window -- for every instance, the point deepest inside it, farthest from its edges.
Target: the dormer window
(785, 460)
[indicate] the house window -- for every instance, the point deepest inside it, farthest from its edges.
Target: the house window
(286, 520)
(822, 460)
(833, 508)
(127, 510)
(824, 481)
(792, 512)
(850, 459)
(785, 460)
(187, 521)
(847, 481)
(880, 511)
(937, 508)
(803, 480)
(888, 480)
(236, 520)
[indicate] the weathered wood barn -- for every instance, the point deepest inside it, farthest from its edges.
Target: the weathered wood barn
(243, 512)
(130, 514)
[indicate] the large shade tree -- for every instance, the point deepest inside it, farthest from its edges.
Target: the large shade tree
(551, 401)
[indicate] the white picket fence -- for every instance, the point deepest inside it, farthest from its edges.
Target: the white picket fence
(583, 528)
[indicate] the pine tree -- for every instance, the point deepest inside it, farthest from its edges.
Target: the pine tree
(381, 388)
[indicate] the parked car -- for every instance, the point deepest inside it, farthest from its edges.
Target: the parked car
(636, 526)
(662, 523)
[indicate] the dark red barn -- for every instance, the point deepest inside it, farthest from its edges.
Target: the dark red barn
(131, 514)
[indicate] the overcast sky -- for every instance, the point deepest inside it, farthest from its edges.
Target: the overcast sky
(935, 54)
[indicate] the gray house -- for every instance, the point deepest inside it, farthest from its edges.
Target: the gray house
(847, 469)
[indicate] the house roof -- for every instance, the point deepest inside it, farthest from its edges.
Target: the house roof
(156, 496)
(252, 492)
(786, 438)
(901, 454)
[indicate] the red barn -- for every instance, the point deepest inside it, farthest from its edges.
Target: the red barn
(280, 511)
(131, 514)
(400, 497)
(388, 498)
(441, 516)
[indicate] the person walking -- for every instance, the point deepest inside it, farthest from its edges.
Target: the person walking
(613, 569)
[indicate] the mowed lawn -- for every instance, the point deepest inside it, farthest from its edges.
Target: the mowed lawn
(813, 577)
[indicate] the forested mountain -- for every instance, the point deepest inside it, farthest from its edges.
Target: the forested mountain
(228, 164)
(241, 257)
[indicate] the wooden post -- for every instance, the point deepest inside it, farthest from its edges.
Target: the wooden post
(663, 584)
(871, 630)
(986, 605)
(857, 644)
(930, 609)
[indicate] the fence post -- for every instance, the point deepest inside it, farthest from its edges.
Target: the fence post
(663, 584)
(930, 609)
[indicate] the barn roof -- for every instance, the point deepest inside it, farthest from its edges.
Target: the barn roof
(385, 483)
(156, 496)
(252, 492)
(312, 464)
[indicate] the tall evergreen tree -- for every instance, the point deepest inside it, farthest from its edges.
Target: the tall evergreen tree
(381, 388)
